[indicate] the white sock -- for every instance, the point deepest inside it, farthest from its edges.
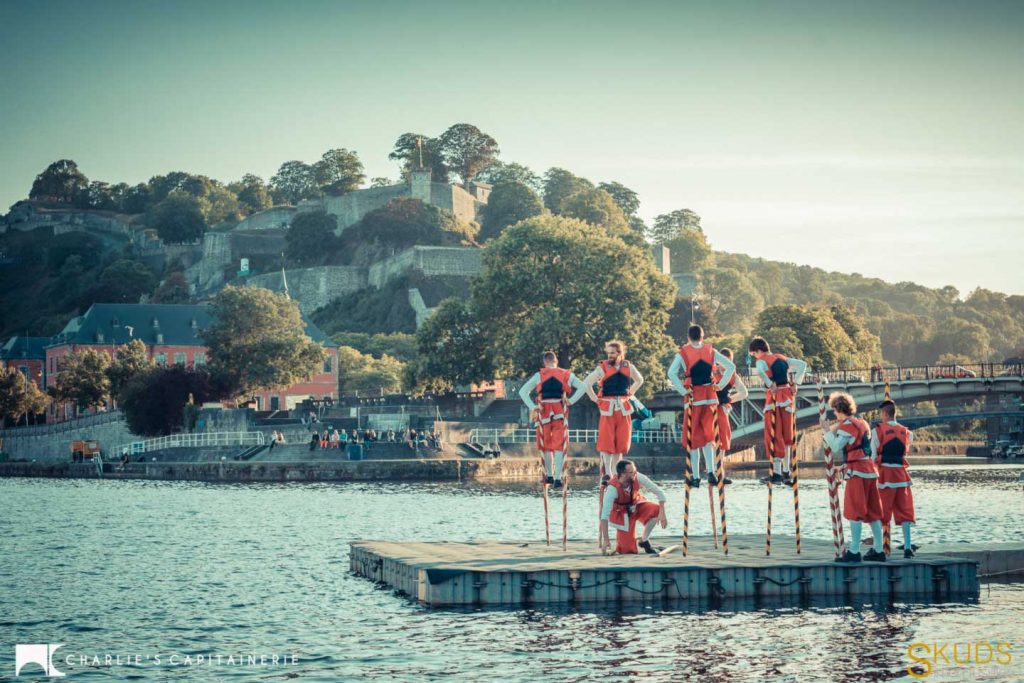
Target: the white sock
(876, 529)
(547, 463)
(709, 457)
(786, 461)
(559, 461)
(906, 536)
(777, 465)
(856, 529)
(607, 459)
(695, 462)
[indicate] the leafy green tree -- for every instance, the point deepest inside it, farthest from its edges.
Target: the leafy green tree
(413, 148)
(293, 182)
(626, 198)
(339, 171)
(174, 290)
(783, 340)
(131, 360)
(381, 181)
(153, 401)
(500, 173)
(252, 192)
(258, 341)
(81, 244)
(559, 185)
(310, 238)
(401, 223)
(508, 204)
(669, 226)
(359, 372)
(730, 297)
(955, 335)
(220, 206)
(178, 219)
(398, 345)
(97, 195)
(826, 346)
(61, 181)
(454, 346)
(137, 199)
(467, 150)
(19, 396)
(82, 379)
(598, 208)
(689, 252)
(123, 282)
(555, 283)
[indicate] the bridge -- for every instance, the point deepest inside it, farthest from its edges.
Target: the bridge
(907, 385)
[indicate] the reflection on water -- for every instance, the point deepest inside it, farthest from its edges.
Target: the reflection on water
(144, 567)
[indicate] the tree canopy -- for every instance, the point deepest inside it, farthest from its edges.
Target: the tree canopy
(509, 203)
(467, 150)
(61, 181)
(178, 219)
(310, 237)
(19, 396)
(82, 379)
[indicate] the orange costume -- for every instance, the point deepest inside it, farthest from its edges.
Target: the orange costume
(861, 502)
(699, 365)
(777, 403)
(724, 425)
(629, 508)
(554, 390)
(893, 478)
(616, 425)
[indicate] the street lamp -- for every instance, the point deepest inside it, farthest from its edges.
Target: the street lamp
(693, 306)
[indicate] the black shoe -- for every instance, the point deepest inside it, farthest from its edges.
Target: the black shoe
(847, 556)
(549, 480)
(787, 479)
(774, 479)
(874, 556)
(693, 482)
(908, 553)
(713, 480)
(558, 484)
(648, 548)
(605, 479)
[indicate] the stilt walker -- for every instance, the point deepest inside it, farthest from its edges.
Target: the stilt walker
(886, 529)
(688, 416)
(833, 484)
(544, 484)
(565, 482)
(769, 423)
(796, 480)
(720, 476)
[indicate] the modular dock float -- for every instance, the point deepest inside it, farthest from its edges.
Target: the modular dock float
(520, 574)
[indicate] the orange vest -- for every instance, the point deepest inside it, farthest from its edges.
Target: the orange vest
(854, 454)
(699, 364)
(625, 501)
(554, 383)
(618, 379)
(893, 441)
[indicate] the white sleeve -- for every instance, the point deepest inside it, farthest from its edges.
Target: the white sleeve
(910, 440)
(837, 440)
(645, 482)
(578, 385)
(874, 441)
(741, 390)
(673, 374)
(608, 502)
(587, 385)
(527, 389)
(799, 368)
(761, 368)
(730, 369)
(638, 379)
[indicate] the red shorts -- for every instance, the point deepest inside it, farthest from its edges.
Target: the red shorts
(898, 504)
(614, 432)
(703, 427)
(625, 541)
(724, 429)
(861, 502)
(783, 432)
(552, 432)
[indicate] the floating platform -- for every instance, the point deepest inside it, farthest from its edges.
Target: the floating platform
(521, 574)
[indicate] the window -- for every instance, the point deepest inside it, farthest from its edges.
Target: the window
(200, 358)
(328, 362)
(160, 358)
(179, 358)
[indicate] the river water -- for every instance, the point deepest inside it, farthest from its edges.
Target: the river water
(139, 570)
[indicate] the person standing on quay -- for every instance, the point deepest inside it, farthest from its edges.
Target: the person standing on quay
(890, 442)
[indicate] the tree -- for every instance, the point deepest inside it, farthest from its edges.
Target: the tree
(220, 205)
(252, 192)
(825, 344)
(258, 341)
(954, 335)
(626, 198)
(137, 199)
(398, 345)
(467, 150)
(381, 181)
(598, 208)
(293, 182)
(559, 185)
(509, 203)
(178, 219)
(730, 297)
(96, 195)
(82, 379)
(454, 346)
(420, 151)
(123, 282)
(174, 290)
(401, 223)
(555, 283)
(689, 252)
(19, 396)
(358, 372)
(153, 400)
(310, 237)
(499, 173)
(668, 226)
(339, 171)
(61, 181)
(131, 360)
(81, 244)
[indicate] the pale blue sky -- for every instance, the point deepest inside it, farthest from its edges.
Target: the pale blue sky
(877, 137)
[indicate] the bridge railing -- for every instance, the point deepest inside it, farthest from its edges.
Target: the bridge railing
(192, 441)
(900, 373)
(485, 436)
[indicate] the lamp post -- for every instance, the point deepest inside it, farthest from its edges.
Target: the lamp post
(693, 306)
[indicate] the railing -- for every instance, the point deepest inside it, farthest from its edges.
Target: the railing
(902, 373)
(192, 441)
(518, 435)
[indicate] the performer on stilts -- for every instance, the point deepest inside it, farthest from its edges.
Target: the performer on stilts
(851, 436)
(692, 372)
(890, 442)
(553, 385)
(623, 507)
(617, 380)
(780, 375)
(735, 392)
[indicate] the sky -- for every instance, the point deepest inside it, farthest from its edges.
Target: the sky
(883, 138)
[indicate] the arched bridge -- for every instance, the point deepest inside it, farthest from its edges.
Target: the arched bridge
(906, 385)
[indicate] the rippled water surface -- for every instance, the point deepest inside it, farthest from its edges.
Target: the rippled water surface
(136, 568)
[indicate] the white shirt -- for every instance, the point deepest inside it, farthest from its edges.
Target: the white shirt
(532, 383)
(611, 494)
(677, 370)
(839, 439)
(590, 380)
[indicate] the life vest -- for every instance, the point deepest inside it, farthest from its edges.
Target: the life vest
(778, 368)
(625, 503)
(723, 395)
(554, 383)
(860, 448)
(893, 440)
(616, 380)
(699, 364)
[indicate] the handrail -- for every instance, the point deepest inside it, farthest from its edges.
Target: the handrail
(192, 441)
(520, 435)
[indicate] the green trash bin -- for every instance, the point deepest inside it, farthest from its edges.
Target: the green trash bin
(354, 451)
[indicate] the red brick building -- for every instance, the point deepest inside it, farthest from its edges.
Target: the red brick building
(171, 333)
(27, 355)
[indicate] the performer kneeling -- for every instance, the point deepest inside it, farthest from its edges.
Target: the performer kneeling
(861, 503)
(553, 384)
(890, 441)
(623, 507)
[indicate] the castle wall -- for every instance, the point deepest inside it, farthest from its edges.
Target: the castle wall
(351, 207)
(314, 287)
(275, 217)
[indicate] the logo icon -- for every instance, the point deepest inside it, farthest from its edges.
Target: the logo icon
(36, 654)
